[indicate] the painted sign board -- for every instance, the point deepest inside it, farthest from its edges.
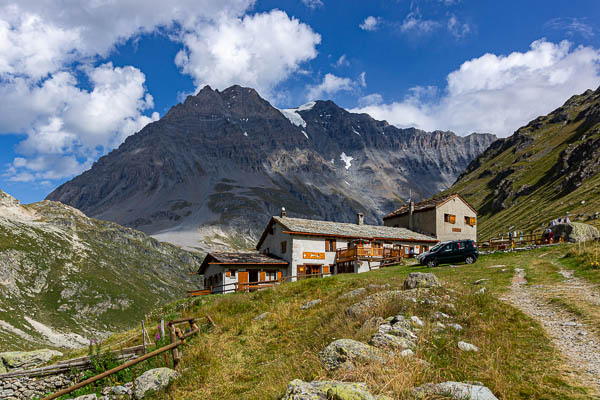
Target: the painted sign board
(310, 255)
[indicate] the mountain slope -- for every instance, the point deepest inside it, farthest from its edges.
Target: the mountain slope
(215, 168)
(545, 169)
(66, 278)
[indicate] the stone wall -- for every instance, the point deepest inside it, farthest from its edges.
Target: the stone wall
(25, 388)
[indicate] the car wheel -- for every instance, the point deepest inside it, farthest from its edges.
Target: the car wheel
(470, 260)
(431, 263)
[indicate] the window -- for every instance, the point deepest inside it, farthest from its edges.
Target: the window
(283, 247)
(470, 221)
(232, 272)
(330, 245)
(450, 218)
(271, 275)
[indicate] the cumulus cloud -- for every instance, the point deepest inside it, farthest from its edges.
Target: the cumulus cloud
(370, 23)
(498, 93)
(258, 50)
(46, 47)
(332, 84)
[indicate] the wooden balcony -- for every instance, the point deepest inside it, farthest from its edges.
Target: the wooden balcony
(367, 253)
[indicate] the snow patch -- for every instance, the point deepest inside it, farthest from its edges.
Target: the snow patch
(293, 117)
(70, 340)
(246, 134)
(332, 161)
(305, 134)
(354, 130)
(346, 159)
(307, 106)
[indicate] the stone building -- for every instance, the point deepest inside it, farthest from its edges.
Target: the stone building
(445, 218)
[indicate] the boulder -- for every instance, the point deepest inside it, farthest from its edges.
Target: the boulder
(117, 392)
(27, 359)
(455, 390)
(344, 352)
(310, 304)
(154, 379)
(327, 390)
(464, 346)
(389, 341)
(420, 279)
(416, 320)
(575, 231)
(353, 293)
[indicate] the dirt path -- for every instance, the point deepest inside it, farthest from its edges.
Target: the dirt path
(568, 332)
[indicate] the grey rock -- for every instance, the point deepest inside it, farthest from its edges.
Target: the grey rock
(417, 321)
(480, 281)
(353, 293)
(328, 390)
(455, 390)
(384, 286)
(310, 304)
(456, 327)
(261, 316)
(420, 279)
(27, 359)
(408, 353)
(87, 397)
(154, 379)
(389, 341)
(464, 346)
(345, 352)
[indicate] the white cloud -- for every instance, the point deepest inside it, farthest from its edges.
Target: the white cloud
(370, 23)
(342, 61)
(416, 24)
(572, 26)
(370, 100)
(332, 84)
(456, 28)
(498, 93)
(313, 3)
(45, 46)
(259, 51)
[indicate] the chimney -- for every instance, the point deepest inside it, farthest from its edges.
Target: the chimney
(283, 213)
(411, 210)
(360, 219)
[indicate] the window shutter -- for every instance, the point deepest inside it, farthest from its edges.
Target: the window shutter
(325, 269)
(279, 275)
(262, 276)
(452, 219)
(228, 274)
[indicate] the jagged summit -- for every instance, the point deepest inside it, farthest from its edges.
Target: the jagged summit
(218, 165)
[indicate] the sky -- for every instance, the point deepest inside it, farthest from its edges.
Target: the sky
(77, 77)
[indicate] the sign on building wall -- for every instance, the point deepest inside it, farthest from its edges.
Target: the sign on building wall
(313, 255)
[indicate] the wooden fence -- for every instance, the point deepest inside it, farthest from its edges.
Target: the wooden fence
(507, 243)
(177, 339)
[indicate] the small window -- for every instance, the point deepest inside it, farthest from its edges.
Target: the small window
(330, 245)
(471, 221)
(232, 272)
(283, 247)
(271, 275)
(450, 218)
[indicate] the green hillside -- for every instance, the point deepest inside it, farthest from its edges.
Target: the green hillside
(245, 358)
(544, 170)
(66, 278)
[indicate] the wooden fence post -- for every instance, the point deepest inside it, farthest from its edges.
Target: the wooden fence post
(175, 351)
(144, 335)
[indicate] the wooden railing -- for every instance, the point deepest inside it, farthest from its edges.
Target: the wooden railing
(506, 243)
(361, 252)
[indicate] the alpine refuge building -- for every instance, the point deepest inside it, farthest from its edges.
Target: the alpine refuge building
(297, 248)
(445, 218)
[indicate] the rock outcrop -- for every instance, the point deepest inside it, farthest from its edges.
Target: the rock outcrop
(576, 232)
(13, 360)
(420, 280)
(328, 390)
(455, 390)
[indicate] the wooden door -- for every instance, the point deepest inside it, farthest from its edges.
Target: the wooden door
(242, 281)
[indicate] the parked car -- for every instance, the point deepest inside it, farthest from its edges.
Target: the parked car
(450, 252)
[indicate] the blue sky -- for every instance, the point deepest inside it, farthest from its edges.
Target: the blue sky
(75, 81)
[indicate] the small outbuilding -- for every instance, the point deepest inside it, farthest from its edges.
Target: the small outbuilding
(226, 272)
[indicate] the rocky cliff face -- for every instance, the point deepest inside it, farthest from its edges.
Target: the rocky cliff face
(214, 169)
(546, 169)
(66, 278)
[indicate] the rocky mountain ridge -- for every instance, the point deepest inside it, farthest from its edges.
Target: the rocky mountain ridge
(212, 171)
(66, 278)
(546, 169)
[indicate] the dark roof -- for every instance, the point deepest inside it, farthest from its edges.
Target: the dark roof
(240, 258)
(428, 205)
(344, 229)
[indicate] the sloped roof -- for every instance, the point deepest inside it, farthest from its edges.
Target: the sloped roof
(428, 205)
(239, 258)
(344, 229)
